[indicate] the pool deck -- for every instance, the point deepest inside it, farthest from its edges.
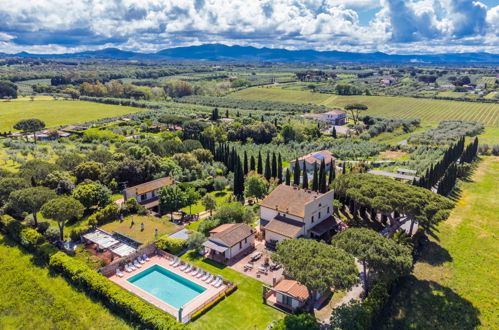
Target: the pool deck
(189, 307)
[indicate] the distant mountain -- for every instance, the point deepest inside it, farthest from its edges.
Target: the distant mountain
(219, 52)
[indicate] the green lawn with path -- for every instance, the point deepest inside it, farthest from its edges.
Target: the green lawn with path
(220, 197)
(57, 113)
(33, 298)
(454, 283)
(243, 309)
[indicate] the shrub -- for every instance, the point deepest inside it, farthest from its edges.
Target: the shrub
(109, 213)
(172, 245)
(208, 224)
(115, 298)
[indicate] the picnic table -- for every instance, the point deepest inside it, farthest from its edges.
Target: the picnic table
(262, 269)
(248, 266)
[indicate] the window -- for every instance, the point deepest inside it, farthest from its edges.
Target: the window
(312, 219)
(246, 240)
(241, 244)
(319, 215)
(287, 300)
(328, 209)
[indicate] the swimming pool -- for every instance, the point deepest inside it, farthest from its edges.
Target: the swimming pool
(167, 286)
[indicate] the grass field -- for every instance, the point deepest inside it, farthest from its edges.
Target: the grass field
(454, 284)
(428, 110)
(56, 113)
(220, 197)
(32, 298)
(243, 309)
(150, 224)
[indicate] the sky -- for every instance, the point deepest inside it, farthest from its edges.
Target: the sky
(390, 26)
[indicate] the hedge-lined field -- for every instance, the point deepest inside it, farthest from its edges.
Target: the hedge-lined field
(30, 296)
(56, 113)
(428, 110)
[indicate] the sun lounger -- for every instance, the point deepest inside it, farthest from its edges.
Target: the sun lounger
(210, 279)
(195, 271)
(136, 263)
(128, 269)
(201, 274)
(204, 278)
(219, 283)
(215, 281)
(177, 263)
(142, 261)
(188, 269)
(119, 273)
(184, 267)
(145, 257)
(132, 267)
(174, 260)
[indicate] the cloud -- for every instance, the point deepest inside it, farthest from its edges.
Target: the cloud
(151, 25)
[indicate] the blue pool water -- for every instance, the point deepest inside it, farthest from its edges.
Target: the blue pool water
(167, 286)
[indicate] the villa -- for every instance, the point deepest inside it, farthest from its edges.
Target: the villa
(228, 241)
(291, 212)
(147, 193)
(333, 117)
(287, 294)
(315, 158)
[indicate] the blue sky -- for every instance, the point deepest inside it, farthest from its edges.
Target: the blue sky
(391, 26)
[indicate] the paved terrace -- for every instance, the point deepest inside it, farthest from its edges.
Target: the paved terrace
(164, 262)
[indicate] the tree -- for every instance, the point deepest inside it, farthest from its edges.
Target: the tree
(30, 126)
(195, 241)
(214, 114)
(304, 180)
(306, 261)
(8, 185)
(332, 171)
(252, 166)
(274, 165)
(375, 252)
(171, 198)
(259, 168)
(322, 178)
(62, 209)
(351, 316)
(296, 174)
(8, 89)
(92, 195)
(297, 322)
(31, 200)
(89, 170)
(279, 168)
(245, 164)
(234, 212)
(315, 180)
(288, 177)
(209, 202)
(268, 173)
(191, 197)
(355, 110)
(255, 186)
(334, 133)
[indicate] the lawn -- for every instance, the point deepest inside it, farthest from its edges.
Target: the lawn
(32, 298)
(57, 113)
(220, 196)
(126, 227)
(428, 110)
(454, 284)
(243, 309)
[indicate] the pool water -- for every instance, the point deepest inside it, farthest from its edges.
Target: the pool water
(167, 286)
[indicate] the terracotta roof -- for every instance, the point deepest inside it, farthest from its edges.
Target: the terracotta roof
(336, 112)
(232, 235)
(285, 227)
(150, 186)
(293, 288)
(318, 156)
(221, 228)
(289, 199)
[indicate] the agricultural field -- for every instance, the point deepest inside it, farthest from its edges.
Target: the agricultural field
(428, 110)
(454, 283)
(31, 297)
(57, 113)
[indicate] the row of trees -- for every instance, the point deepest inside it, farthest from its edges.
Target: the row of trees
(320, 180)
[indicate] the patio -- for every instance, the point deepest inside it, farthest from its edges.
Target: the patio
(257, 267)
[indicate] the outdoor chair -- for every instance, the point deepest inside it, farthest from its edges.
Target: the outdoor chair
(201, 274)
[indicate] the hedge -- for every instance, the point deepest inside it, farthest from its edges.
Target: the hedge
(114, 297)
(170, 244)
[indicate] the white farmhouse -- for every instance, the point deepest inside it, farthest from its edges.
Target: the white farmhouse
(292, 212)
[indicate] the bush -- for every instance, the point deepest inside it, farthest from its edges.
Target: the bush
(109, 213)
(208, 224)
(172, 245)
(115, 298)
(297, 322)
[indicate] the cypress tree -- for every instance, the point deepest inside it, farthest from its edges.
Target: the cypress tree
(315, 180)
(288, 177)
(279, 168)
(262, 119)
(226, 113)
(274, 165)
(332, 172)
(343, 170)
(334, 133)
(245, 165)
(238, 180)
(252, 163)
(304, 180)
(322, 178)
(268, 173)
(259, 168)
(296, 174)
